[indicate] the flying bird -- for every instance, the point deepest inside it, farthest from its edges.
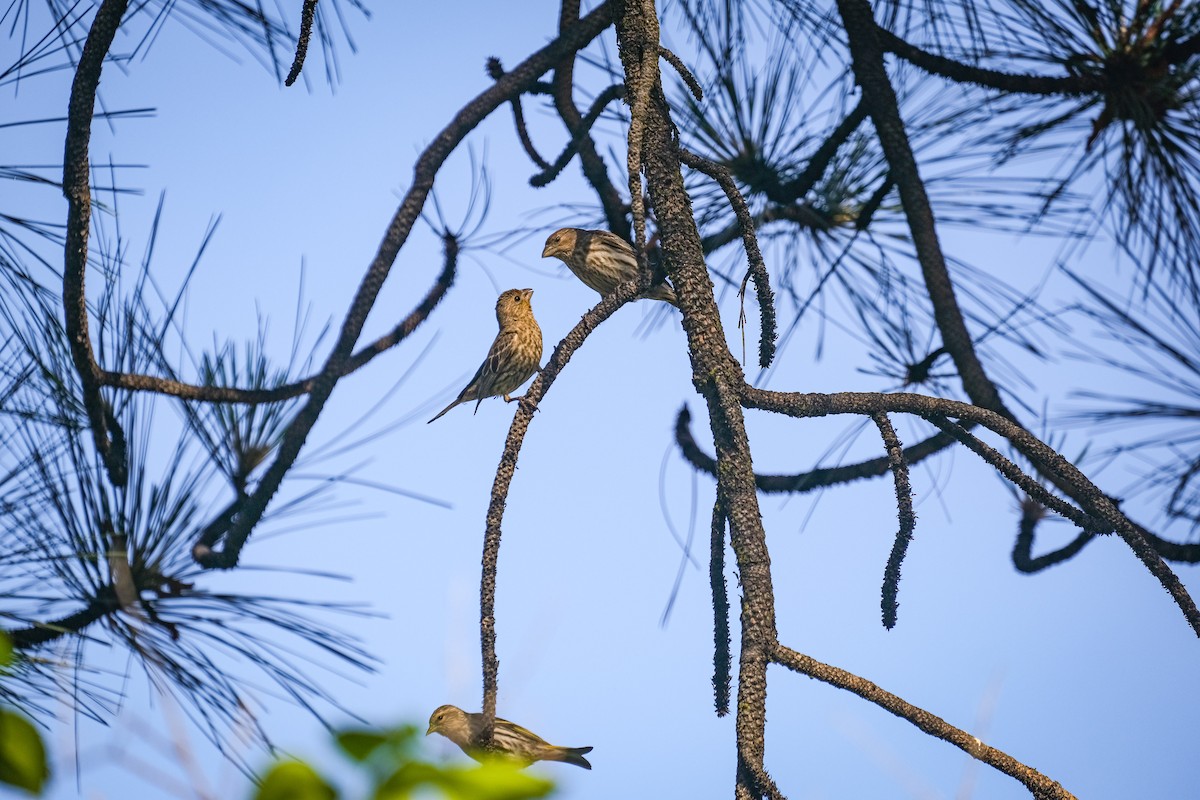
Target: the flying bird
(512, 741)
(513, 357)
(600, 259)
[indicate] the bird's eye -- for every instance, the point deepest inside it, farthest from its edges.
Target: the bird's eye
(440, 717)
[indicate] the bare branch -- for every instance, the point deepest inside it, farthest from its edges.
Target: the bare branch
(77, 189)
(880, 99)
(1037, 783)
(720, 600)
(818, 478)
(623, 294)
(1048, 461)
(908, 519)
(1033, 512)
(988, 78)
(757, 268)
(684, 73)
(428, 164)
(307, 13)
(582, 133)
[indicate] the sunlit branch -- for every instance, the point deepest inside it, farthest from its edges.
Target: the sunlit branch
(504, 474)
(1037, 783)
(426, 169)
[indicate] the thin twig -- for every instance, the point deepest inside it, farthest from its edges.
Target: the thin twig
(362, 357)
(813, 479)
(756, 267)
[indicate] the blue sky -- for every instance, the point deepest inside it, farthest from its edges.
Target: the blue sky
(1078, 671)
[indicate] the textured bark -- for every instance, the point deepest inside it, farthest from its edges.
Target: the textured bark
(718, 378)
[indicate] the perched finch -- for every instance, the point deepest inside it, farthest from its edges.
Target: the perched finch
(601, 260)
(513, 741)
(514, 356)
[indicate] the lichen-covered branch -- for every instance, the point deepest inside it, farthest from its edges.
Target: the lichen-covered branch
(361, 357)
(504, 474)
(426, 169)
(583, 131)
(1048, 461)
(756, 266)
(307, 14)
(813, 479)
(718, 378)
(1037, 783)
(77, 189)
(720, 600)
(908, 519)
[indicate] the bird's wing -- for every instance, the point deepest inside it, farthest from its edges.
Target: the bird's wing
(514, 732)
(493, 365)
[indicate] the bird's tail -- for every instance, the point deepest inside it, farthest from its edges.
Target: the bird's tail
(447, 408)
(573, 755)
(663, 292)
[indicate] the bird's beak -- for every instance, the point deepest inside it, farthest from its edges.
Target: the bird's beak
(547, 251)
(527, 293)
(431, 729)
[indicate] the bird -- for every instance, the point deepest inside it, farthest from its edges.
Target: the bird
(510, 740)
(601, 260)
(513, 357)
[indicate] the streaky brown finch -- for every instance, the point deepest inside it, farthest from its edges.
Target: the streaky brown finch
(600, 259)
(513, 357)
(511, 741)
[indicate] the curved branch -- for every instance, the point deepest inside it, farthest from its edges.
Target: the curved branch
(813, 479)
(77, 189)
(1033, 512)
(427, 166)
(231, 394)
(1049, 462)
(496, 70)
(908, 519)
(41, 633)
(988, 78)
(686, 74)
(551, 171)
(1037, 783)
(307, 13)
(623, 294)
(594, 168)
(757, 268)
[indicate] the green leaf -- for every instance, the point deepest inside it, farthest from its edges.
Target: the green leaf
(294, 780)
(493, 780)
(22, 754)
(6, 650)
(359, 745)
